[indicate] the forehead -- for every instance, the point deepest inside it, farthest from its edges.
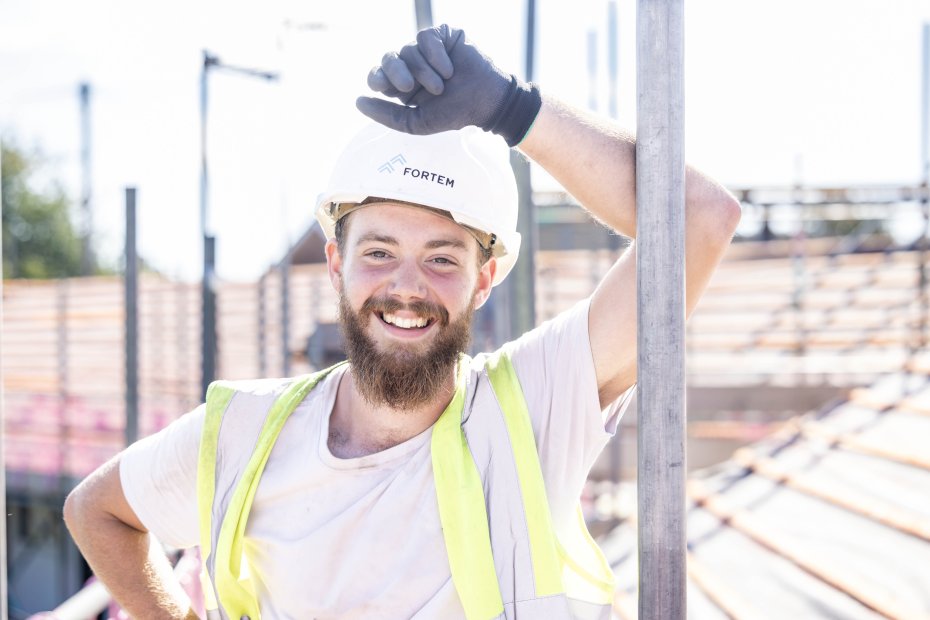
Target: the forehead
(405, 223)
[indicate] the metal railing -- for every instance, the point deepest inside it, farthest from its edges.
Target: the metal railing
(93, 599)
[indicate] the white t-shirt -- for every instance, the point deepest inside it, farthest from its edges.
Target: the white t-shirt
(360, 538)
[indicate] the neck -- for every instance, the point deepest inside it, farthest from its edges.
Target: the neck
(358, 427)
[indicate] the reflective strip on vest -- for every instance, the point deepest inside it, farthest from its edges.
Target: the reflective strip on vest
(226, 563)
(462, 511)
(573, 564)
(572, 560)
(218, 397)
(546, 563)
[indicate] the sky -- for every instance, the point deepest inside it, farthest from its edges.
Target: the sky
(823, 93)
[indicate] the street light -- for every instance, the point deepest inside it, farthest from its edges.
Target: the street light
(208, 315)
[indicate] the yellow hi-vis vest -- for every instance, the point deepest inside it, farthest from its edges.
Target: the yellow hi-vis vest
(571, 579)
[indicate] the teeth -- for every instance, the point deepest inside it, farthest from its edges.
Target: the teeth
(403, 322)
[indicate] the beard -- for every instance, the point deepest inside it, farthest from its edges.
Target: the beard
(402, 377)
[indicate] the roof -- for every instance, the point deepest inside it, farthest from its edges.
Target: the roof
(828, 518)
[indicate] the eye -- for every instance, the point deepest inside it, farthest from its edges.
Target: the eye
(377, 254)
(443, 260)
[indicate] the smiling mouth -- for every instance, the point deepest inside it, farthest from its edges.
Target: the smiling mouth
(406, 323)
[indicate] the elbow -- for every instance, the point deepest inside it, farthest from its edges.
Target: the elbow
(71, 511)
(711, 210)
(722, 218)
(85, 503)
(732, 212)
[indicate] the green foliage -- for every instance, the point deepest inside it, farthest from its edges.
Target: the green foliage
(39, 239)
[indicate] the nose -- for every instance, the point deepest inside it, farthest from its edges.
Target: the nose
(407, 281)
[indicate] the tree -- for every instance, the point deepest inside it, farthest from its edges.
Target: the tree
(39, 239)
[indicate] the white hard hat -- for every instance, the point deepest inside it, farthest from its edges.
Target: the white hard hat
(466, 173)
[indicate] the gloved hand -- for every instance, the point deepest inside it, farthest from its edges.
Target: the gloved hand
(444, 82)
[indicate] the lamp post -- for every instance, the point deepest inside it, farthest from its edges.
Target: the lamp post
(208, 313)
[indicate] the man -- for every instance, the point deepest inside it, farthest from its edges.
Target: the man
(412, 482)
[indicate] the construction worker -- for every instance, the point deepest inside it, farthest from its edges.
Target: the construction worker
(412, 482)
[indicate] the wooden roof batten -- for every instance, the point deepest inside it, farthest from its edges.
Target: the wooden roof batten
(799, 462)
(833, 575)
(879, 512)
(850, 441)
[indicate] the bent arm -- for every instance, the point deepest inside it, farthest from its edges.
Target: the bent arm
(120, 550)
(595, 161)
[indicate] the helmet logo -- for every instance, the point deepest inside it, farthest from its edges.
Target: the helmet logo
(388, 166)
(416, 173)
(426, 175)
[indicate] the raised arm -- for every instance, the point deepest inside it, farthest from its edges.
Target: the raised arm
(595, 161)
(444, 82)
(120, 551)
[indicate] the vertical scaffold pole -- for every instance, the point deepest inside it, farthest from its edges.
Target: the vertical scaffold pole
(131, 290)
(4, 573)
(660, 242)
(424, 13)
(87, 217)
(522, 281)
(285, 270)
(613, 61)
(925, 178)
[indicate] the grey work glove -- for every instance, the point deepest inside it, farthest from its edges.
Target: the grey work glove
(444, 82)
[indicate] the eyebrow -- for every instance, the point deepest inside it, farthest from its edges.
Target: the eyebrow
(444, 243)
(375, 237)
(430, 245)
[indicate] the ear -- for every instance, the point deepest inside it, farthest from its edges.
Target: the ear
(334, 264)
(485, 282)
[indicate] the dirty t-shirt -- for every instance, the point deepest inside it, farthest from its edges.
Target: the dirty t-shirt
(332, 538)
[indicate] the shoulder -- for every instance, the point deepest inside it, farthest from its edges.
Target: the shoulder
(273, 387)
(567, 331)
(258, 394)
(253, 387)
(541, 352)
(235, 411)
(243, 405)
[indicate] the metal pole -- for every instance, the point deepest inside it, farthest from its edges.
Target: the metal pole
(208, 61)
(592, 70)
(612, 60)
(131, 279)
(208, 303)
(64, 433)
(208, 333)
(4, 574)
(767, 234)
(208, 315)
(182, 346)
(799, 269)
(87, 218)
(530, 37)
(925, 201)
(925, 105)
(424, 11)
(262, 363)
(522, 298)
(521, 295)
(88, 602)
(660, 242)
(285, 315)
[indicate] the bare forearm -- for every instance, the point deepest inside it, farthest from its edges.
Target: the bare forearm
(592, 159)
(125, 558)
